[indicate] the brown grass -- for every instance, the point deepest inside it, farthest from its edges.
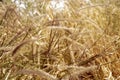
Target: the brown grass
(82, 42)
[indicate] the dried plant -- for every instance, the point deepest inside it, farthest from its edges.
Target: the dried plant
(81, 41)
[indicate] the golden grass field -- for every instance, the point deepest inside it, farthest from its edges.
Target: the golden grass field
(79, 41)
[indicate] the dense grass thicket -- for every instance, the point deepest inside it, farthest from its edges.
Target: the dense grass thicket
(78, 41)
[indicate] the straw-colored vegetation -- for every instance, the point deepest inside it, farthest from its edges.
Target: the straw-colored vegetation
(78, 42)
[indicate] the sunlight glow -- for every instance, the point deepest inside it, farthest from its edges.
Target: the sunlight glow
(19, 4)
(87, 1)
(57, 4)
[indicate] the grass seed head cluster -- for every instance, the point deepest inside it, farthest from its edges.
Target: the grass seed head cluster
(79, 42)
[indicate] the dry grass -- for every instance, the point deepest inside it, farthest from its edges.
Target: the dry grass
(81, 42)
